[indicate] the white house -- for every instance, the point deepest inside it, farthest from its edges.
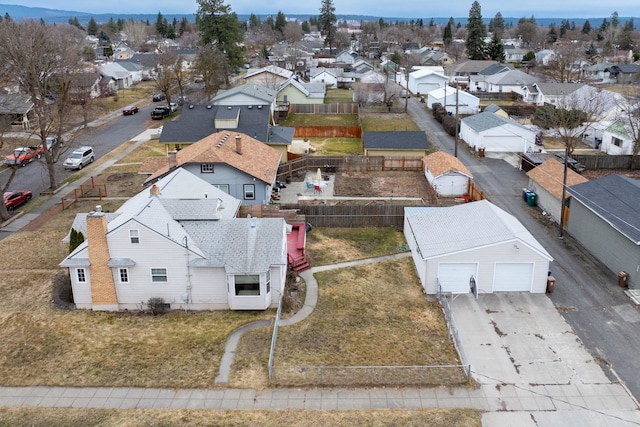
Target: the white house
(617, 139)
(247, 94)
(426, 79)
(446, 174)
(452, 99)
(293, 91)
(270, 76)
(118, 74)
(180, 242)
(326, 76)
(496, 134)
(451, 245)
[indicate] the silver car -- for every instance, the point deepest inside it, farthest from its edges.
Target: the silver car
(79, 158)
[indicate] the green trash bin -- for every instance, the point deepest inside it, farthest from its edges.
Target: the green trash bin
(531, 198)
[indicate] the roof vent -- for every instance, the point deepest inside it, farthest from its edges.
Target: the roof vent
(208, 107)
(259, 107)
(190, 106)
(229, 108)
(250, 107)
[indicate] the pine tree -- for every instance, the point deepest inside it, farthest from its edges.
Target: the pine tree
(447, 35)
(75, 239)
(476, 32)
(496, 25)
(92, 27)
(305, 27)
(218, 26)
(586, 27)
(495, 50)
(281, 22)
(327, 23)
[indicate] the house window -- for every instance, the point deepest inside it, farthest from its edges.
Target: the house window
(134, 236)
(206, 168)
(222, 187)
(158, 274)
(123, 273)
(268, 280)
(81, 275)
(247, 284)
(616, 141)
(249, 192)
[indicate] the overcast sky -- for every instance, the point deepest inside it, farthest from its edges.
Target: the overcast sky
(379, 8)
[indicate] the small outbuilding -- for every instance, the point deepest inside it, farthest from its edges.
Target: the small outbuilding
(496, 134)
(400, 144)
(452, 245)
(447, 174)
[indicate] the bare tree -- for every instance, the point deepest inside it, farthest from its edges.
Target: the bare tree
(165, 80)
(211, 66)
(137, 33)
(631, 117)
(566, 63)
(41, 60)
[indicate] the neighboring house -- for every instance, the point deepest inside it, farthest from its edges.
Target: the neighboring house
(466, 70)
(199, 121)
(425, 80)
(136, 70)
(361, 66)
(598, 73)
(509, 81)
(545, 56)
(540, 93)
(85, 85)
(454, 100)
(447, 174)
(617, 139)
(403, 143)
(603, 217)
(326, 76)
(247, 94)
(178, 241)
(371, 88)
(450, 245)
(16, 112)
(624, 73)
(347, 57)
(495, 109)
(514, 54)
(233, 162)
(293, 91)
(122, 77)
(547, 181)
(496, 134)
(271, 77)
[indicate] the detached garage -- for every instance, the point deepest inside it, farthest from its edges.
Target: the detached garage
(496, 134)
(451, 245)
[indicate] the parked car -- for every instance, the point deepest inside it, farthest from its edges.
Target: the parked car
(13, 199)
(53, 140)
(173, 107)
(79, 158)
(130, 110)
(161, 112)
(23, 155)
(182, 100)
(159, 97)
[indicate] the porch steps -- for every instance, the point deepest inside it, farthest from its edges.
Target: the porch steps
(300, 264)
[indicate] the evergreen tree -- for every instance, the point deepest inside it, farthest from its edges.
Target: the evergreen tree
(218, 26)
(495, 50)
(7, 17)
(92, 27)
(432, 23)
(625, 39)
(306, 29)
(112, 26)
(270, 22)
(586, 27)
(281, 22)
(476, 32)
(496, 25)
(327, 23)
(161, 27)
(75, 239)
(447, 34)
(381, 23)
(254, 22)
(615, 21)
(552, 35)
(602, 30)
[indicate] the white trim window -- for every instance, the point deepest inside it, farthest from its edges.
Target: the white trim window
(249, 191)
(159, 275)
(134, 236)
(616, 141)
(268, 280)
(81, 275)
(123, 275)
(247, 284)
(222, 187)
(206, 168)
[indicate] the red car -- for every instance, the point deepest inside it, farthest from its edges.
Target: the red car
(13, 199)
(129, 110)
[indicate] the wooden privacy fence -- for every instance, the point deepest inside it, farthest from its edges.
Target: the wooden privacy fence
(605, 161)
(349, 164)
(328, 131)
(92, 190)
(338, 108)
(352, 216)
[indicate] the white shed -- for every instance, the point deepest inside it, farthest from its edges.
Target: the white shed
(496, 133)
(450, 245)
(446, 174)
(426, 79)
(466, 102)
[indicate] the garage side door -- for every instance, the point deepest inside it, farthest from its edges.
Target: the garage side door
(454, 277)
(513, 277)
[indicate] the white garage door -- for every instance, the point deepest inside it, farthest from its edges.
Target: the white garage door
(513, 277)
(454, 277)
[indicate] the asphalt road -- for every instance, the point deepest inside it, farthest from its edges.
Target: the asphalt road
(586, 292)
(103, 135)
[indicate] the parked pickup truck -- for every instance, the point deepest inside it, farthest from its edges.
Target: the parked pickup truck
(23, 155)
(161, 112)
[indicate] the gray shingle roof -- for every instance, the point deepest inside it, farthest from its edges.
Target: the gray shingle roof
(15, 104)
(485, 121)
(615, 199)
(409, 140)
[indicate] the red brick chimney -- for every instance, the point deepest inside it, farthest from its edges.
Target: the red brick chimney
(103, 288)
(238, 144)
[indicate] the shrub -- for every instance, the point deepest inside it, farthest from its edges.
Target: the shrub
(157, 306)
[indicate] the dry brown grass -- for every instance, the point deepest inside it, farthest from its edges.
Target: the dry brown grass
(71, 417)
(385, 122)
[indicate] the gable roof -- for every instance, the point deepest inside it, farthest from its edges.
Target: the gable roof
(485, 121)
(511, 78)
(271, 69)
(256, 159)
(197, 122)
(440, 163)
(550, 176)
(551, 89)
(445, 231)
(261, 94)
(15, 104)
(407, 140)
(613, 198)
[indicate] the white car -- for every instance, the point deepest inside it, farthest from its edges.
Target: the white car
(79, 158)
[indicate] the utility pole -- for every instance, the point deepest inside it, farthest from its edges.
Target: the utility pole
(455, 144)
(564, 190)
(406, 95)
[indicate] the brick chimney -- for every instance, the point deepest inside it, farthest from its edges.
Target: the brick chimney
(103, 289)
(238, 144)
(172, 159)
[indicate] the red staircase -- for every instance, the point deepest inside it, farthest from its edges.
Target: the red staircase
(296, 254)
(299, 264)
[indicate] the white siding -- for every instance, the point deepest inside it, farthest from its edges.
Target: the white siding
(81, 291)
(456, 277)
(450, 184)
(513, 277)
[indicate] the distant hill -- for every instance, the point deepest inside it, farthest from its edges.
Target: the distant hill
(52, 16)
